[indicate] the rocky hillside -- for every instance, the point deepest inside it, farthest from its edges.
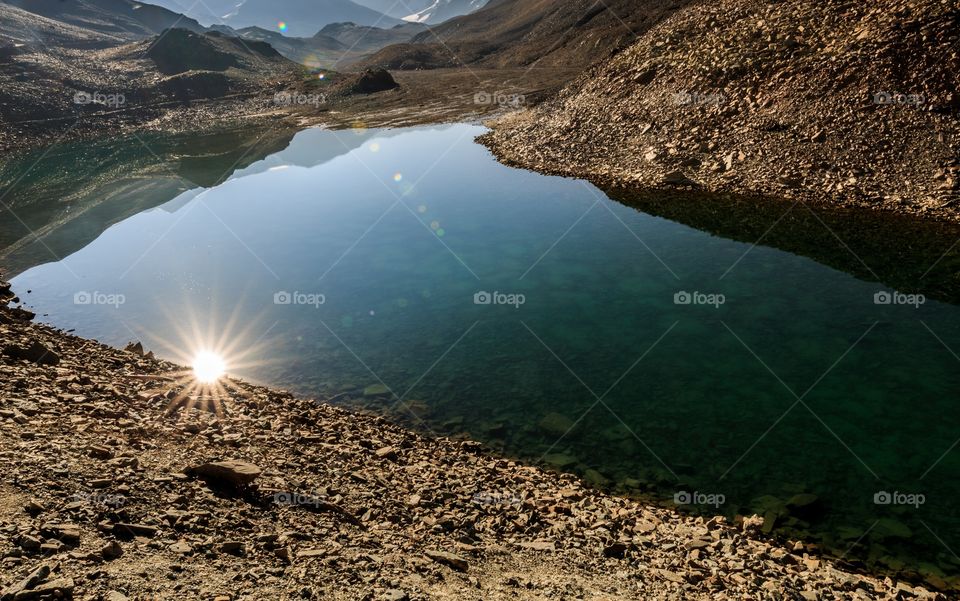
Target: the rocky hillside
(816, 99)
(123, 19)
(545, 33)
(21, 29)
(42, 82)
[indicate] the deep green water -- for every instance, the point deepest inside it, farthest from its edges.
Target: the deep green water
(798, 383)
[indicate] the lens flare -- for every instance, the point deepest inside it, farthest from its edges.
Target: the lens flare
(208, 367)
(282, 26)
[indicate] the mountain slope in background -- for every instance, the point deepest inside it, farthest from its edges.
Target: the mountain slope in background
(818, 99)
(336, 46)
(305, 17)
(122, 19)
(439, 11)
(302, 18)
(319, 51)
(512, 33)
(424, 11)
(367, 39)
(20, 30)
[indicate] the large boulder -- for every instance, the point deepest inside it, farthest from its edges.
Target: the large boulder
(372, 81)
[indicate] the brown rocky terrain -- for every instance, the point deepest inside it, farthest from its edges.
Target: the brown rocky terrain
(118, 483)
(824, 101)
(83, 81)
(529, 33)
(121, 19)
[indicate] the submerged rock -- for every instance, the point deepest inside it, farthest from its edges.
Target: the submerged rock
(560, 460)
(556, 424)
(376, 390)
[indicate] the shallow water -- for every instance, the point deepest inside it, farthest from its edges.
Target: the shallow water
(352, 260)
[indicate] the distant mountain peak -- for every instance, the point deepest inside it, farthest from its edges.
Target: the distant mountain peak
(425, 11)
(295, 18)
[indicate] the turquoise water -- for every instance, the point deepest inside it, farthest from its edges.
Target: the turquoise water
(781, 380)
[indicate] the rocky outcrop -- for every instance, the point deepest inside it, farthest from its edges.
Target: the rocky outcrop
(371, 81)
(820, 100)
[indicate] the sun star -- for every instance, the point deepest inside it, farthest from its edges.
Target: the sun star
(208, 367)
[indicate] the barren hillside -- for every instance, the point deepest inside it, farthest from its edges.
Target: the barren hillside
(826, 99)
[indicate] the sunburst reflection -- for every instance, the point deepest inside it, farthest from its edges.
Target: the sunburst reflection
(215, 350)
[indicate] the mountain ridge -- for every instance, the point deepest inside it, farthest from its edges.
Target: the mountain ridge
(518, 33)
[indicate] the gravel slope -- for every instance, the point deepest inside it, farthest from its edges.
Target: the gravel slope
(826, 101)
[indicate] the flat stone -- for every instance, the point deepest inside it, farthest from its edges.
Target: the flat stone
(33, 579)
(68, 533)
(386, 453)
(233, 547)
(100, 452)
(449, 559)
(135, 529)
(52, 547)
(58, 589)
(235, 472)
(181, 547)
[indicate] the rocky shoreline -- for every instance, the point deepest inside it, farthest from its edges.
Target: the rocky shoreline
(439, 96)
(118, 487)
